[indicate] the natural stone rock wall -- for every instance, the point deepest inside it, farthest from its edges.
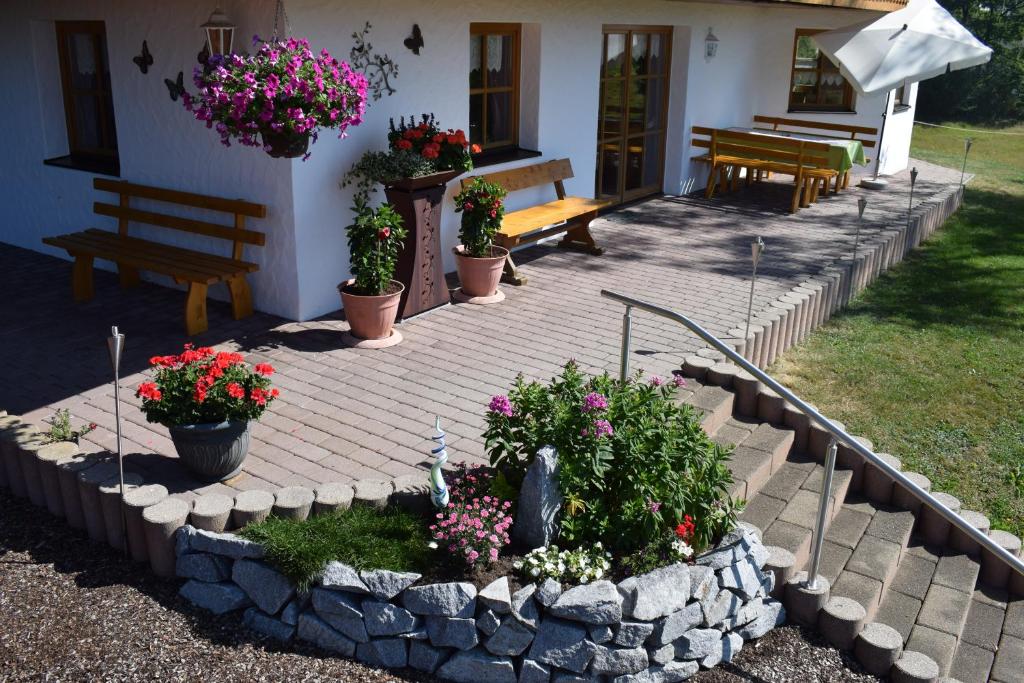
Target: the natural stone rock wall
(655, 628)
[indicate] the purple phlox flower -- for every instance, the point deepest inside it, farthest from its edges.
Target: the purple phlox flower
(500, 404)
(656, 381)
(602, 428)
(653, 505)
(679, 381)
(594, 401)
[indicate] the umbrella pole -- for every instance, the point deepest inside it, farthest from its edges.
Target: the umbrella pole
(875, 183)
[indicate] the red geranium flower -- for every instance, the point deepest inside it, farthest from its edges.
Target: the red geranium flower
(384, 233)
(264, 369)
(235, 390)
(149, 391)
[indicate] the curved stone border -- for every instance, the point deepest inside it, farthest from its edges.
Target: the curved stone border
(663, 625)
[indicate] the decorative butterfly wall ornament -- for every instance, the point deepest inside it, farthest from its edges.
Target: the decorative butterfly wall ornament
(176, 88)
(415, 41)
(144, 60)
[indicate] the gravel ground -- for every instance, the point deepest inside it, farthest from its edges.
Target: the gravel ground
(72, 610)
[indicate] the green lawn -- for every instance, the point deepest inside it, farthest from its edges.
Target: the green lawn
(928, 362)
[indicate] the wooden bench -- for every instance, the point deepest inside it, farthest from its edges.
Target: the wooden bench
(839, 131)
(571, 215)
(132, 254)
(729, 151)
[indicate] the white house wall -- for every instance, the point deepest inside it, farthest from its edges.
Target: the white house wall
(306, 254)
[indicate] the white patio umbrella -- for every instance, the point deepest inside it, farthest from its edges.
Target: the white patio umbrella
(915, 43)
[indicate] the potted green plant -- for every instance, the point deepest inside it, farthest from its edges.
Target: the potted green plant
(278, 98)
(371, 296)
(207, 400)
(478, 260)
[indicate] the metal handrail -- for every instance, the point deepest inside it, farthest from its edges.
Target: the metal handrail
(838, 434)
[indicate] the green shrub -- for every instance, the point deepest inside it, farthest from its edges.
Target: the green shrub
(633, 462)
(362, 537)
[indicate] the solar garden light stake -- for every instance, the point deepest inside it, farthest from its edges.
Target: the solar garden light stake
(756, 249)
(115, 345)
(819, 530)
(910, 207)
(861, 205)
(438, 489)
(967, 150)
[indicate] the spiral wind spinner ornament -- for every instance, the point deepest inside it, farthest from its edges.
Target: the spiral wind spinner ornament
(438, 489)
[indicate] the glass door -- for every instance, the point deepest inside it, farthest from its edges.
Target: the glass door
(632, 111)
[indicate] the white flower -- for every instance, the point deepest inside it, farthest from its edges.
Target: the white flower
(535, 572)
(518, 564)
(432, 545)
(584, 579)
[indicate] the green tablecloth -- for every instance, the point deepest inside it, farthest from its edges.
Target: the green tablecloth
(842, 154)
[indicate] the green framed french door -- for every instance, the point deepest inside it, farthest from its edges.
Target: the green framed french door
(633, 111)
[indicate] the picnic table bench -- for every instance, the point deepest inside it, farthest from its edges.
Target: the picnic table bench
(812, 130)
(199, 269)
(571, 215)
(731, 150)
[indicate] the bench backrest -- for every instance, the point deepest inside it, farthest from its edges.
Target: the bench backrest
(847, 132)
(774, 149)
(553, 172)
(237, 233)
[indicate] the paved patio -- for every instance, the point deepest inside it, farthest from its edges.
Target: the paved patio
(346, 414)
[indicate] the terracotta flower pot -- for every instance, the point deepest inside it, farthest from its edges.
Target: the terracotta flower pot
(285, 145)
(371, 317)
(480, 275)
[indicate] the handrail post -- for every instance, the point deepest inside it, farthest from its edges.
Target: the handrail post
(819, 530)
(627, 329)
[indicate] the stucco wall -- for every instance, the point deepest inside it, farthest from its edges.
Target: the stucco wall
(306, 254)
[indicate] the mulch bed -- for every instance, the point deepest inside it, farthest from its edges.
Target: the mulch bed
(73, 610)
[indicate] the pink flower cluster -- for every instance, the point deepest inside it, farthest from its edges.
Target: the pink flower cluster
(500, 404)
(593, 402)
(283, 88)
(601, 428)
(475, 527)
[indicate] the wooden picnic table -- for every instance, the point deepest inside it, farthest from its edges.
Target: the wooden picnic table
(842, 154)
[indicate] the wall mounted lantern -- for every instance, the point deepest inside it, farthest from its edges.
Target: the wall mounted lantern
(220, 33)
(710, 46)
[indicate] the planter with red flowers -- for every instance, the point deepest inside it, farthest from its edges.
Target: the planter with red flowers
(478, 260)
(207, 400)
(421, 160)
(278, 98)
(371, 297)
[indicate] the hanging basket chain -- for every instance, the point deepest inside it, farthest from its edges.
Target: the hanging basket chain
(280, 13)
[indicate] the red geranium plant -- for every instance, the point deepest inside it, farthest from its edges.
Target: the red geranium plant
(204, 386)
(448, 150)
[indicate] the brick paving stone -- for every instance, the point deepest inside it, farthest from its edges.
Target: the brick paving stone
(802, 509)
(1014, 621)
(914, 576)
(983, 626)
(944, 609)
(938, 645)
(971, 664)
(848, 527)
(833, 560)
(863, 589)
(899, 611)
(875, 558)
(784, 484)
(892, 525)
(1009, 661)
(762, 510)
(957, 571)
(795, 539)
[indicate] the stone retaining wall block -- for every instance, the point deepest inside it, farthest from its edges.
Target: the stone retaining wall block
(47, 458)
(159, 522)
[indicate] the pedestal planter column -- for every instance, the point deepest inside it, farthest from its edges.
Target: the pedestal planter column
(420, 263)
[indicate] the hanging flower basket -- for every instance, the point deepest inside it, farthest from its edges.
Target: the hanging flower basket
(283, 145)
(278, 98)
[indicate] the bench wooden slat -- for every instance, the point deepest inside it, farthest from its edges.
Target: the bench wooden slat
(200, 201)
(212, 262)
(184, 224)
(535, 217)
(182, 264)
(521, 178)
(823, 125)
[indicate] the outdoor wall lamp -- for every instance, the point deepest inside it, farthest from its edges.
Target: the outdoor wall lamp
(220, 33)
(710, 46)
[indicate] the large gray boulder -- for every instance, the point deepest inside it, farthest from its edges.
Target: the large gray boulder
(488, 622)
(218, 598)
(441, 600)
(548, 592)
(540, 501)
(384, 584)
(390, 653)
(534, 672)
(593, 603)
(616, 661)
(633, 633)
(423, 657)
(268, 588)
(315, 630)
(340, 576)
(385, 619)
(203, 567)
(743, 577)
(477, 666)
(667, 629)
(229, 545)
(452, 632)
(342, 611)
(770, 614)
(524, 607)
(657, 593)
(268, 625)
(563, 644)
(725, 606)
(672, 672)
(510, 638)
(699, 643)
(496, 596)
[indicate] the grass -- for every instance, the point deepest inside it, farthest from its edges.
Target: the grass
(362, 537)
(928, 362)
